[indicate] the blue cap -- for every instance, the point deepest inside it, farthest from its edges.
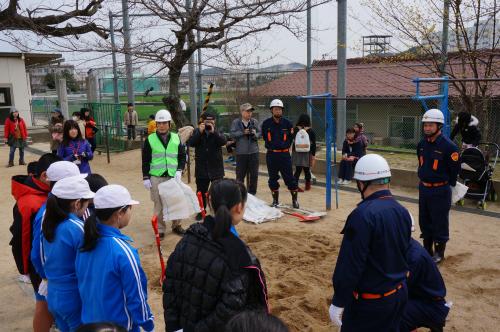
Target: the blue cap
(57, 110)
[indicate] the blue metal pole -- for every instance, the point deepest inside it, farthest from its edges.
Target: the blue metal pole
(444, 106)
(328, 138)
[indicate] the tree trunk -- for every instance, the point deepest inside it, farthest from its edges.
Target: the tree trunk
(172, 100)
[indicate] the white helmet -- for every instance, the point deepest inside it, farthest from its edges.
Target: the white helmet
(433, 115)
(276, 103)
(372, 167)
(163, 116)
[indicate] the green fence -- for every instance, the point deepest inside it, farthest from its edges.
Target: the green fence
(109, 121)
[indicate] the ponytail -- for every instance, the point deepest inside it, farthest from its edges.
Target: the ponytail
(223, 222)
(91, 236)
(56, 212)
(224, 195)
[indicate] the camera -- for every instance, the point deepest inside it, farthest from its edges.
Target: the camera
(208, 126)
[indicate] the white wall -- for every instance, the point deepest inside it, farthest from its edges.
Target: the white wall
(13, 74)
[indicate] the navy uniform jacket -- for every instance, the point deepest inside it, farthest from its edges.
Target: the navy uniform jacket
(372, 257)
(277, 136)
(425, 281)
(438, 161)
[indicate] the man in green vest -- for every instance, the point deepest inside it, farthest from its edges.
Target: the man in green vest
(163, 158)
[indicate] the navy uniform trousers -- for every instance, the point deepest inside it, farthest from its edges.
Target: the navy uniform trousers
(280, 162)
(379, 315)
(424, 313)
(434, 209)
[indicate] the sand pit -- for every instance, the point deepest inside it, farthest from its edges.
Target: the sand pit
(297, 258)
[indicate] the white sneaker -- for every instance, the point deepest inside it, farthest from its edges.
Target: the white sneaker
(347, 182)
(24, 278)
(341, 182)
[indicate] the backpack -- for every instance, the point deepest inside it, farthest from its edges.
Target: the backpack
(302, 142)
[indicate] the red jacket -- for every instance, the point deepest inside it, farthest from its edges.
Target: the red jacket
(89, 128)
(10, 128)
(30, 194)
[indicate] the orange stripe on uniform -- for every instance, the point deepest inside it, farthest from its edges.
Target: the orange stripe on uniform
(421, 159)
(269, 136)
(435, 165)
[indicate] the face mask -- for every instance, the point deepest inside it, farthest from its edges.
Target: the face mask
(75, 118)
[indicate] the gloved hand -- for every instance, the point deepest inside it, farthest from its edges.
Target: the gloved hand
(83, 155)
(147, 184)
(178, 176)
(336, 315)
(43, 287)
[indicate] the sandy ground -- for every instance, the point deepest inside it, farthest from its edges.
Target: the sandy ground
(298, 258)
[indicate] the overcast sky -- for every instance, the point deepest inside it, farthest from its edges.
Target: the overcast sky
(280, 47)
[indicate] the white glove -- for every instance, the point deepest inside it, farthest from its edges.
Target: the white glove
(42, 288)
(147, 184)
(181, 330)
(178, 176)
(336, 315)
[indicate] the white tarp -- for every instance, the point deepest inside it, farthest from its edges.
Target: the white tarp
(257, 211)
(178, 199)
(458, 192)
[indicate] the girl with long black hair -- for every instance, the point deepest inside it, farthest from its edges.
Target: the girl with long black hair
(212, 274)
(62, 236)
(112, 284)
(74, 148)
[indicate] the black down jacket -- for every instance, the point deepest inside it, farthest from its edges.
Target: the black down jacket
(208, 154)
(207, 281)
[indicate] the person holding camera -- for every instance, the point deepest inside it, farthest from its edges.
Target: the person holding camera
(245, 131)
(208, 143)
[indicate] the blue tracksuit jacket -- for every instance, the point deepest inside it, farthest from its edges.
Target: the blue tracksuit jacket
(112, 284)
(36, 253)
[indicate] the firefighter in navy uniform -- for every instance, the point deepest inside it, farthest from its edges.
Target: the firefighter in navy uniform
(278, 136)
(439, 164)
(369, 280)
(426, 305)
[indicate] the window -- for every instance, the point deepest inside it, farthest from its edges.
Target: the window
(403, 126)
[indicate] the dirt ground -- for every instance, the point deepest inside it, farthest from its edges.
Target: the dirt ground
(297, 258)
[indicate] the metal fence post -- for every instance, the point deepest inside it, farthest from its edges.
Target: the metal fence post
(106, 141)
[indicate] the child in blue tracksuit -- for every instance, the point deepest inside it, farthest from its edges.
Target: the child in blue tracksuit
(62, 237)
(112, 284)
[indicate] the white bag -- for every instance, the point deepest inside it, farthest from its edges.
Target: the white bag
(458, 192)
(302, 142)
(178, 199)
(257, 211)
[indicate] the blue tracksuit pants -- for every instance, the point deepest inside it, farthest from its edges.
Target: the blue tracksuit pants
(424, 313)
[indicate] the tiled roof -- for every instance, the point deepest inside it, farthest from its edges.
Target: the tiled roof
(363, 80)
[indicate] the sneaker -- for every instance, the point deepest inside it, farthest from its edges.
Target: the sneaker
(178, 230)
(347, 182)
(341, 182)
(24, 278)
(161, 235)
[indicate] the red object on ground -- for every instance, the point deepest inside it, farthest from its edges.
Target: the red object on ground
(202, 207)
(154, 223)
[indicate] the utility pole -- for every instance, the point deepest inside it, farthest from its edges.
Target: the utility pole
(444, 50)
(127, 50)
(199, 77)
(116, 99)
(341, 69)
(309, 60)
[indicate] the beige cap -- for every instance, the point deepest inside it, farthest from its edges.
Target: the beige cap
(246, 107)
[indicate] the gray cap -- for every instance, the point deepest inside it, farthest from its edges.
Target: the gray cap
(13, 109)
(246, 107)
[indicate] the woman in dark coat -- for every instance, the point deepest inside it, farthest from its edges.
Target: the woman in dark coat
(466, 126)
(212, 274)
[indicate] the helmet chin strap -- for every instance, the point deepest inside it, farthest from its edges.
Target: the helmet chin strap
(362, 191)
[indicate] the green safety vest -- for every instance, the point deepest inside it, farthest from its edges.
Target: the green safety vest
(164, 160)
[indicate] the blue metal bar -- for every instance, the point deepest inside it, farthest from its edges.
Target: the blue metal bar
(328, 138)
(433, 97)
(320, 96)
(444, 107)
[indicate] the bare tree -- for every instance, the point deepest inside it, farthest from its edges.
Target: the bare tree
(48, 20)
(221, 24)
(474, 41)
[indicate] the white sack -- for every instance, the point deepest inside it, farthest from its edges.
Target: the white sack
(458, 192)
(257, 211)
(178, 199)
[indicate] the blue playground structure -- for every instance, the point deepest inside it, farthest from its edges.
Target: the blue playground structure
(441, 98)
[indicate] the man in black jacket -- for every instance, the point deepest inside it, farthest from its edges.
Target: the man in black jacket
(208, 143)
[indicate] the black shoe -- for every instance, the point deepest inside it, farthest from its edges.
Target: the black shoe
(161, 236)
(428, 245)
(439, 255)
(276, 198)
(11, 164)
(21, 162)
(295, 203)
(199, 217)
(178, 230)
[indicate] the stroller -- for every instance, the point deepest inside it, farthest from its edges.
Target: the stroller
(476, 173)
